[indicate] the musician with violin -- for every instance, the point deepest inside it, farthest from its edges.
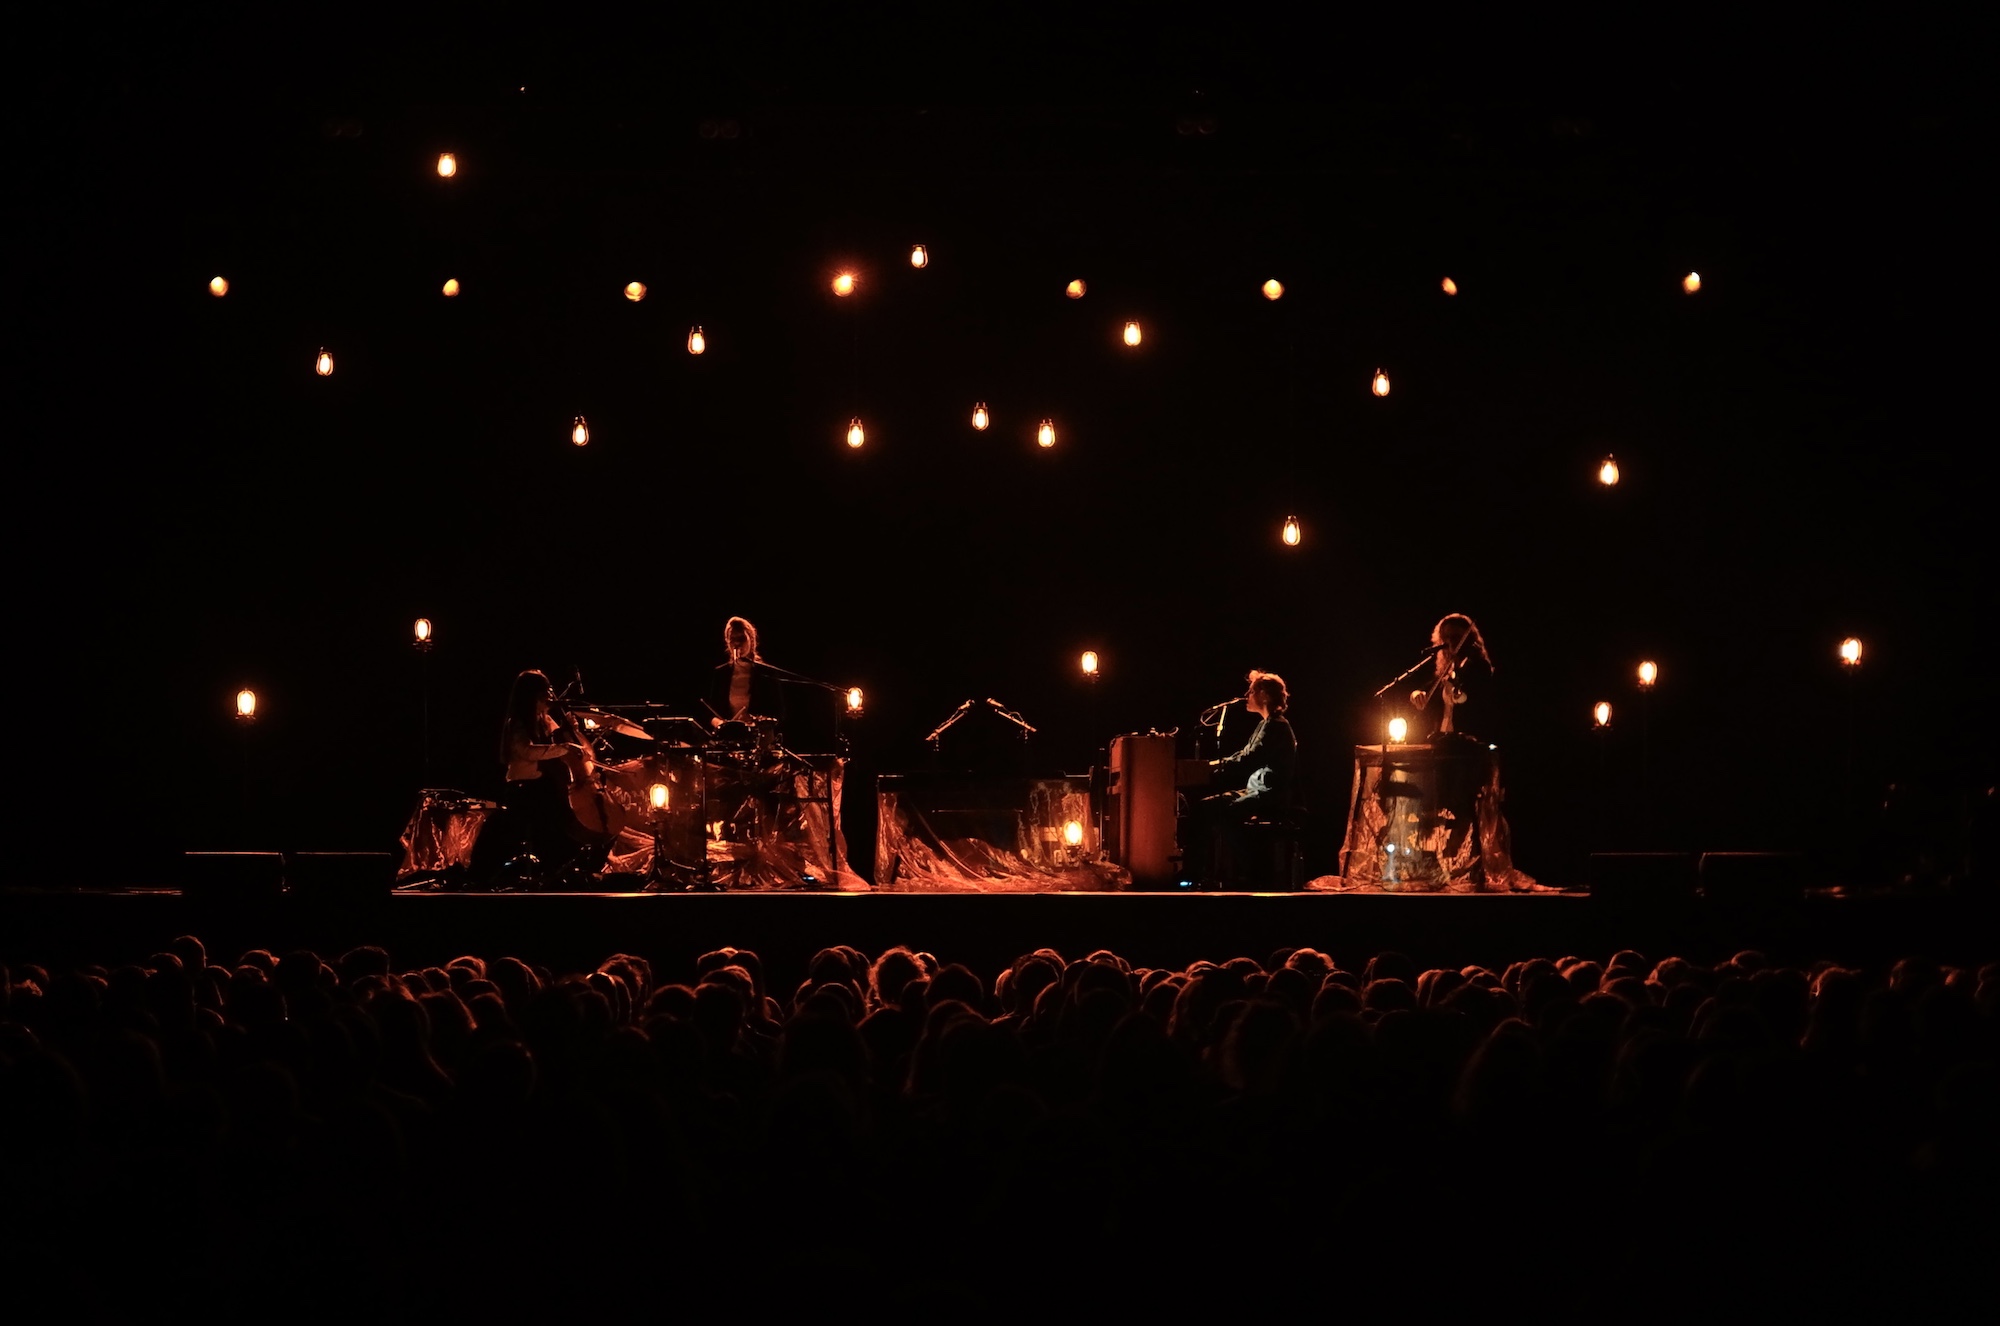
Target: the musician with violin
(1461, 672)
(549, 766)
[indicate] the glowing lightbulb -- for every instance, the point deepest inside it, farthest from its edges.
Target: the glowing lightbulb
(218, 286)
(1850, 652)
(1449, 286)
(1381, 384)
(1075, 289)
(855, 437)
(451, 288)
(447, 165)
(657, 795)
(919, 256)
(979, 417)
(324, 364)
(421, 633)
(854, 699)
(1274, 288)
(1649, 672)
(1132, 333)
(1045, 436)
(579, 432)
(697, 343)
(1089, 662)
(1399, 730)
(1290, 532)
(1691, 282)
(635, 290)
(246, 705)
(1607, 473)
(843, 284)
(1073, 833)
(1601, 714)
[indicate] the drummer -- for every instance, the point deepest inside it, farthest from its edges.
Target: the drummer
(745, 689)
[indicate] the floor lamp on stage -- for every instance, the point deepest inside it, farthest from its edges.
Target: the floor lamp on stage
(421, 640)
(246, 722)
(1649, 676)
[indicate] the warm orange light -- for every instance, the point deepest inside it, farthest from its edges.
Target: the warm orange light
(1045, 436)
(1274, 289)
(323, 365)
(451, 288)
(697, 343)
(657, 795)
(1850, 652)
(1607, 473)
(635, 290)
(1073, 833)
(1089, 662)
(980, 418)
(855, 436)
(579, 432)
(246, 705)
(421, 633)
(1649, 672)
(1399, 730)
(1691, 282)
(1601, 715)
(1381, 384)
(447, 165)
(1449, 286)
(843, 284)
(1132, 336)
(1290, 533)
(919, 256)
(218, 286)
(854, 699)
(1075, 289)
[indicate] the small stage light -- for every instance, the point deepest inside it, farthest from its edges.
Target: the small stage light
(635, 290)
(854, 702)
(657, 795)
(1290, 532)
(697, 343)
(855, 437)
(421, 634)
(218, 286)
(1274, 289)
(1607, 473)
(1132, 336)
(919, 256)
(1601, 715)
(1045, 436)
(323, 365)
(1380, 386)
(246, 705)
(979, 417)
(1399, 731)
(1691, 282)
(1075, 289)
(1073, 833)
(843, 284)
(447, 165)
(1449, 286)
(1089, 664)
(1649, 672)
(579, 432)
(1850, 653)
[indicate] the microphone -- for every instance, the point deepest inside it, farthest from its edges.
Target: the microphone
(1218, 708)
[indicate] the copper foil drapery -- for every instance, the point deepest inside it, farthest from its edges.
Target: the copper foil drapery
(986, 835)
(1427, 819)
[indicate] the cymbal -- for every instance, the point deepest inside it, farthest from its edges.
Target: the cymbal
(602, 721)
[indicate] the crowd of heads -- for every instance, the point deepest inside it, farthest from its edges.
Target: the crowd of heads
(346, 1133)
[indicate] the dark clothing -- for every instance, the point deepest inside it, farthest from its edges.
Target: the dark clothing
(1476, 715)
(1268, 766)
(767, 692)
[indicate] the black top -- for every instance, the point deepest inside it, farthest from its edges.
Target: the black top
(767, 692)
(1269, 763)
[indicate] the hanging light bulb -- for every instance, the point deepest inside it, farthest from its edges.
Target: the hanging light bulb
(1045, 436)
(421, 634)
(635, 290)
(579, 432)
(1691, 282)
(919, 256)
(1132, 333)
(1601, 714)
(447, 165)
(1399, 731)
(1073, 833)
(1649, 672)
(1290, 532)
(697, 343)
(656, 795)
(1274, 289)
(1089, 663)
(1075, 289)
(979, 417)
(323, 365)
(1607, 473)
(843, 284)
(855, 437)
(218, 286)
(1380, 386)
(854, 698)
(1850, 652)
(451, 288)
(246, 705)
(1449, 286)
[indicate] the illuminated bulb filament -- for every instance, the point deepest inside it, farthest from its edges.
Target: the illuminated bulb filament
(1399, 730)
(843, 284)
(579, 432)
(1089, 662)
(1045, 436)
(979, 417)
(919, 256)
(246, 704)
(1649, 672)
(1290, 533)
(854, 699)
(451, 288)
(1691, 282)
(324, 364)
(1607, 473)
(855, 437)
(657, 795)
(1601, 715)
(1449, 286)
(697, 343)
(1073, 833)
(1381, 384)
(422, 630)
(1075, 289)
(1274, 289)
(635, 290)
(218, 286)
(1132, 333)
(1850, 652)
(447, 165)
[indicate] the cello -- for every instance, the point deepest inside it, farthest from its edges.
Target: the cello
(597, 814)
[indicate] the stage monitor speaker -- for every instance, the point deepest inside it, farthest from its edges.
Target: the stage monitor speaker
(1753, 877)
(1642, 879)
(233, 877)
(340, 876)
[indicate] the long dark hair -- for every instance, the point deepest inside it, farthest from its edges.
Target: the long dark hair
(529, 687)
(1475, 642)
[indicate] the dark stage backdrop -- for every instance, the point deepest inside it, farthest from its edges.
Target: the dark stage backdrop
(201, 512)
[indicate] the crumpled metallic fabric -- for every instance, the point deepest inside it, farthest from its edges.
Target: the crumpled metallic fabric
(987, 836)
(442, 831)
(1404, 835)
